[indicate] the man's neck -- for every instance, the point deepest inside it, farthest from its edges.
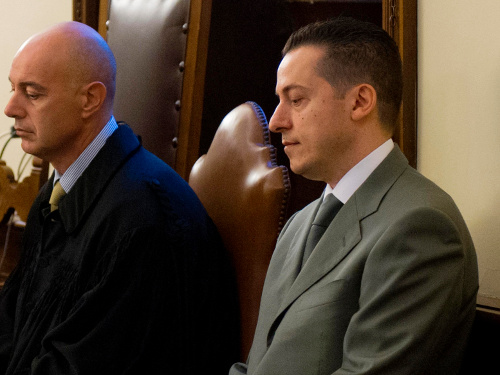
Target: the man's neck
(76, 168)
(358, 174)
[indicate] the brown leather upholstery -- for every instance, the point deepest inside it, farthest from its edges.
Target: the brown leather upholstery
(245, 193)
(148, 39)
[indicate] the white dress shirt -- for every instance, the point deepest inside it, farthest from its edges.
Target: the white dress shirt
(358, 174)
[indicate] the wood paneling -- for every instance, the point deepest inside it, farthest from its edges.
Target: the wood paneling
(193, 86)
(399, 19)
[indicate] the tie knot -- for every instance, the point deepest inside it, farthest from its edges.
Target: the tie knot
(327, 211)
(57, 193)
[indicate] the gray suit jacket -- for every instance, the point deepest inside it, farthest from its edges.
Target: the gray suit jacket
(389, 289)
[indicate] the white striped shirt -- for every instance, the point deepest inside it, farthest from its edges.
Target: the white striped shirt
(75, 170)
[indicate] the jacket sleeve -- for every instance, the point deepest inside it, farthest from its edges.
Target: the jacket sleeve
(412, 296)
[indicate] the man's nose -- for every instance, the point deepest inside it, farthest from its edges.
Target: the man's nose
(279, 120)
(13, 108)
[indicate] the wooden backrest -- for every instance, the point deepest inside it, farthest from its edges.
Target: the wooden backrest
(19, 195)
(246, 193)
(16, 196)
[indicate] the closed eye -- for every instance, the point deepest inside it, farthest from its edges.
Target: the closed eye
(32, 96)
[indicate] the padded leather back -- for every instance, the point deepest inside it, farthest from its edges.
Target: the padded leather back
(246, 193)
(148, 39)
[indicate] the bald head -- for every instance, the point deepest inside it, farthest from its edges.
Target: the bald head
(79, 53)
(63, 84)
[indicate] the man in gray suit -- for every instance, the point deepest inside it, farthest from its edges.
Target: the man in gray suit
(390, 288)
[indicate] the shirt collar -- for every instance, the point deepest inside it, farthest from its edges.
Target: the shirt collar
(358, 174)
(75, 170)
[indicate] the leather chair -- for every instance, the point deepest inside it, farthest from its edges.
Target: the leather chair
(149, 44)
(246, 193)
(160, 47)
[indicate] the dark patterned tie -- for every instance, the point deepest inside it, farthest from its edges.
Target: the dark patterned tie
(57, 193)
(329, 208)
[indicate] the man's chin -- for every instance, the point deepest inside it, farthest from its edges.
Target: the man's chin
(28, 148)
(299, 170)
(305, 172)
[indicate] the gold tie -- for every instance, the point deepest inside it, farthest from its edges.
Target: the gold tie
(57, 193)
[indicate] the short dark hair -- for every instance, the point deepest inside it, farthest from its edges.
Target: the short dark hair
(357, 52)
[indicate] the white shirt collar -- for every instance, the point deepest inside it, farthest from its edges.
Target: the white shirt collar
(358, 174)
(75, 170)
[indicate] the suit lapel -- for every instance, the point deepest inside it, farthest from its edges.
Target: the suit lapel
(342, 235)
(292, 263)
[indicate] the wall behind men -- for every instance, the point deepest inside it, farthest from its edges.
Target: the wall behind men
(19, 20)
(459, 118)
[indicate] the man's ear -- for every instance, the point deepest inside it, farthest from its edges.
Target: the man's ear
(364, 101)
(93, 97)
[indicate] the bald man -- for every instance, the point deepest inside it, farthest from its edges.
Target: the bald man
(126, 272)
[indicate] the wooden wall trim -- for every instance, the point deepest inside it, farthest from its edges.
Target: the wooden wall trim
(87, 12)
(78, 10)
(103, 18)
(193, 86)
(400, 21)
(488, 301)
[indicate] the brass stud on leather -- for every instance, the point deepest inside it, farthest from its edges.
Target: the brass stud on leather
(185, 28)
(177, 105)
(181, 66)
(175, 142)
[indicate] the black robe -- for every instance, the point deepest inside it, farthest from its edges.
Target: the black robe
(129, 276)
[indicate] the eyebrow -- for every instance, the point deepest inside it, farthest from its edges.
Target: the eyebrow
(32, 84)
(291, 87)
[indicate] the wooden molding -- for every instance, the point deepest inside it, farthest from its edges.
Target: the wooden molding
(400, 21)
(488, 301)
(193, 86)
(87, 12)
(103, 17)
